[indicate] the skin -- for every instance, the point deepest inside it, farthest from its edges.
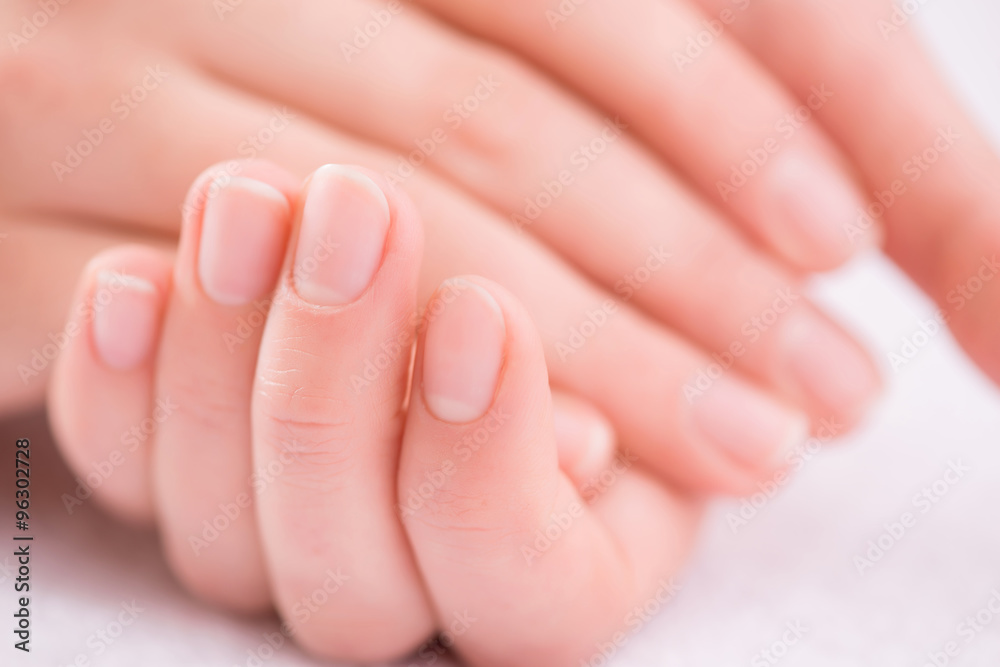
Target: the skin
(469, 547)
(541, 104)
(623, 213)
(655, 185)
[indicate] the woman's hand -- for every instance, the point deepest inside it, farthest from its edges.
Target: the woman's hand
(284, 467)
(669, 301)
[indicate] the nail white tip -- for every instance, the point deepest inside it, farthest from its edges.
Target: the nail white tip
(359, 178)
(126, 281)
(452, 411)
(258, 188)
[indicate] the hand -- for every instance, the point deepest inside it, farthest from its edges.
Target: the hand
(283, 455)
(734, 260)
(809, 122)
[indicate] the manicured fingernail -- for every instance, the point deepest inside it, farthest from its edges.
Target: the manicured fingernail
(243, 235)
(747, 425)
(584, 438)
(126, 319)
(463, 352)
(345, 221)
(816, 203)
(829, 367)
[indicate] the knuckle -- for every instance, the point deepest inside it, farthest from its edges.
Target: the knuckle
(207, 403)
(305, 417)
(460, 516)
(494, 103)
(26, 83)
(311, 461)
(316, 432)
(43, 79)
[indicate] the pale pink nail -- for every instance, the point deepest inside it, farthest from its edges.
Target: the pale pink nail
(126, 319)
(746, 424)
(345, 220)
(829, 367)
(463, 352)
(243, 236)
(585, 440)
(815, 202)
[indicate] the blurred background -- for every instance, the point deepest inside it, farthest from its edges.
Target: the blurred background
(883, 549)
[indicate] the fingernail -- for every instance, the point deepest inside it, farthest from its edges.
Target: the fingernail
(746, 424)
(584, 438)
(829, 367)
(345, 221)
(242, 242)
(463, 352)
(816, 203)
(126, 319)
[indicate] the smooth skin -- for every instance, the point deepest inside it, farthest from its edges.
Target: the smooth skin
(633, 218)
(411, 505)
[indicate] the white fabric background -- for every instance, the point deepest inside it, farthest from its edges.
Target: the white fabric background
(794, 562)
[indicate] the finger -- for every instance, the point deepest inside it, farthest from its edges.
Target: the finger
(102, 404)
(613, 206)
(116, 183)
(480, 456)
(33, 309)
(230, 252)
(643, 365)
(585, 439)
(647, 373)
(932, 176)
(328, 409)
(711, 110)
